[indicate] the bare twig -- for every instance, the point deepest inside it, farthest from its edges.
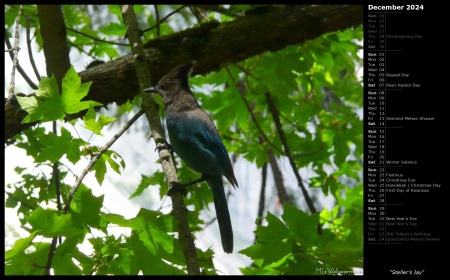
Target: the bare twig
(56, 175)
(24, 203)
(218, 9)
(246, 71)
(322, 146)
(251, 113)
(16, 52)
(262, 193)
(97, 155)
(30, 53)
(158, 29)
(48, 266)
(81, 50)
(56, 52)
(97, 39)
(276, 118)
(278, 178)
(168, 166)
(197, 15)
(163, 19)
(57, 181)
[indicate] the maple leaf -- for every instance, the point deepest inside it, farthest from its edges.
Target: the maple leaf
(49, 105)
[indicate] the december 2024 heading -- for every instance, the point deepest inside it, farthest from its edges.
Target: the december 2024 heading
(394, 7)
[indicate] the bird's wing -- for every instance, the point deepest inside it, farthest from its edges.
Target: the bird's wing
(210, 139)
(201, 142)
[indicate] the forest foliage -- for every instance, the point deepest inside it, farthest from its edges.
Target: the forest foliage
(302, 104)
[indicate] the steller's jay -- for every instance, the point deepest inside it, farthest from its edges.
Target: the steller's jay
(195, 139)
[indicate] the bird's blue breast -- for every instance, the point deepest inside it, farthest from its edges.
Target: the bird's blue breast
(196, 142)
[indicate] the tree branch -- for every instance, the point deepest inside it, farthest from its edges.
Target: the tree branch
(30, 53)
(57, 60)
(96, 156)
(262, 194)
(158, 29)
(276, 118)
(158, 23)
(278, 178)
(97, 39)
(56, 50)
(234, 41)
(250, 111)
(157, 132)
(218, 9)
(19, 68)
(15, 50)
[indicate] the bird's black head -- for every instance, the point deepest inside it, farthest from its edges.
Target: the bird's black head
(174, 82)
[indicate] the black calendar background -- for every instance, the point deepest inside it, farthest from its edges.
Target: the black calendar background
(416, 141)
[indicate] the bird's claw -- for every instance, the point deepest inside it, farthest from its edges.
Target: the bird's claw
(175, 187)
(164, 146)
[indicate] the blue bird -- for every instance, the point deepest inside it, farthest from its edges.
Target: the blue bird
(195, 139)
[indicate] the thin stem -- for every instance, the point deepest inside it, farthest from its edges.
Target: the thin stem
(97, 155)
(19, 68)
(16, 52)
(251, 113)
(163, 19)
(158, 29)
(97, 39)
(262, 196)
(276, 118)
(30, 53)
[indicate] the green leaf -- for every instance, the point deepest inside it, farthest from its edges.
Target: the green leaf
(50, 224)
(46, 106)
(121, 264)
(20, 245)
(156, 179)
(135, 224)
(96, 125)
(274, 231)
(115, 160)
(339, 247)
(39, 257)
(240, 8)
(149, 264)
(113, 28)
(56, 147)
(62, 262)
(19, 169)
(87, 206)
(100, 169)
(49, 105)
(32, 146)
(272, 243)
(73, 91)
(287, 128)
(328, 136)
(155, 231)
(301, 224)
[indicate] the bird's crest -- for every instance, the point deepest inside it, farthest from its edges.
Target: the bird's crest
(182, 72)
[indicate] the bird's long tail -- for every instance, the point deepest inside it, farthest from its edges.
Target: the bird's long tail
(223, 216)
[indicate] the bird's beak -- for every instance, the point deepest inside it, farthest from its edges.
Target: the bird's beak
(151, 90)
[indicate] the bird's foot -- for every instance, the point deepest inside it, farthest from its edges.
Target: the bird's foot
(175, 187)
(163, 146)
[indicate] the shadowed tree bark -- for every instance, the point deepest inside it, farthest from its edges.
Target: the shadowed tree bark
(57, 60)
(213, 45)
